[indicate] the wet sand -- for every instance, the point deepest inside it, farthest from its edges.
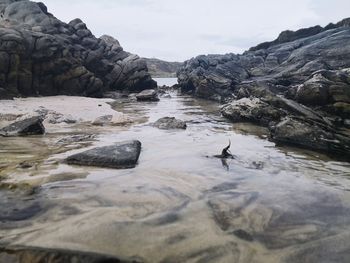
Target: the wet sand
(179, 204)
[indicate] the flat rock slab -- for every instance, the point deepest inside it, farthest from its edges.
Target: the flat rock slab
(168, 123)
(121, 155)
(30, 126)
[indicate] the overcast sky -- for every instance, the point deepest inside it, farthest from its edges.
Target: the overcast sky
(176, 30)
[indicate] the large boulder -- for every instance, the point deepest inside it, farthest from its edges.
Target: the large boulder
(40, 55)
(121, 155)
(29, 126)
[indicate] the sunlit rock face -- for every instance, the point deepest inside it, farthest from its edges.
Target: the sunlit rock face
(40, 55)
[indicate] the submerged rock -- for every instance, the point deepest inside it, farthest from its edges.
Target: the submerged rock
(38, 255)
(116, 119)
(30, 126)
(120, 156)
(168, 123)
(147, 95)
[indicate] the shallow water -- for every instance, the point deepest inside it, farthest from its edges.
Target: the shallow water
(179, 204)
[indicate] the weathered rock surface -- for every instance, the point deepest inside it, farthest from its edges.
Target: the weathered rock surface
(251, 110)
(168, 123)
(277, 67)
(30, 126)
(147, 95)
(310, 135)
(121, 155)
(303, 74)
(40, 55)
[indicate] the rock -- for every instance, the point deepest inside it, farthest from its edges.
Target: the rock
(31, 126)
(251, 110)
(41, 55)
(37, 255)
(147, 95)
(279, 65)
(116, 119)
(103, 120)
(244, 235)
(310, 135)
(56, 118)
(25, 165)
(168, 123)
(121, 155)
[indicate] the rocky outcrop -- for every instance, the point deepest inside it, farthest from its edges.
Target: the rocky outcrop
(40, 55)
(303, 74)
(162, 69)
(277, 68)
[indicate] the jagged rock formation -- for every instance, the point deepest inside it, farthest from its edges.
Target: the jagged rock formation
(310, 66)
(40, 55)
(162, 69)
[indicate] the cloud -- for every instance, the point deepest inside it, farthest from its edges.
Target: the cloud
(178, 30)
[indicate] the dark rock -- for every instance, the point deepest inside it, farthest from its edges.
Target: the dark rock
(242, 234)
(168, 123)
(40, 55)
(290, 62)
(121, 155)
(38, 255)
(25, 165)
(147, 95)
(31, 126)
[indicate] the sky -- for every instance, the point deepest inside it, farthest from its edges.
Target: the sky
(176, 30)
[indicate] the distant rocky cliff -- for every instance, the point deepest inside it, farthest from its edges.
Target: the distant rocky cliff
(303, 76)
(40, 55)
(162, 69)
